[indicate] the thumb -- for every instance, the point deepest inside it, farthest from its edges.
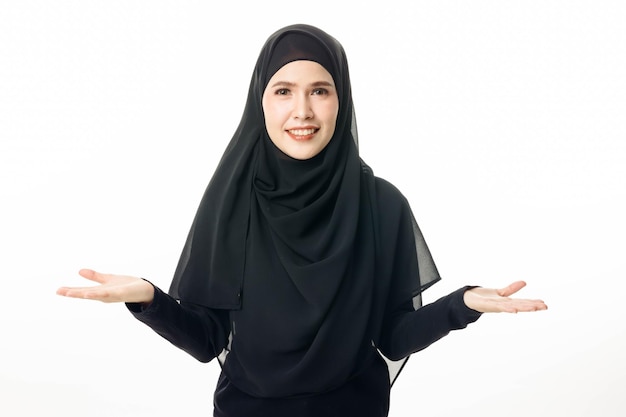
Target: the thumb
(92, 275)
(511, 289)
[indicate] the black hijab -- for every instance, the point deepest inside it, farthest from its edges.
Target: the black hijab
(317, 217)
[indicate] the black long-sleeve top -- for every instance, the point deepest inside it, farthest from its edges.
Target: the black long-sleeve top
(204, 334)
(241, 338)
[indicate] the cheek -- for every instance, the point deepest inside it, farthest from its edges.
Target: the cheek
(273, 114)
(331, 114)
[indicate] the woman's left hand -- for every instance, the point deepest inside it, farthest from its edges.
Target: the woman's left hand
(487, 300)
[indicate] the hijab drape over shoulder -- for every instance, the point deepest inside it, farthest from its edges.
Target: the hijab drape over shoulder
(305, 232)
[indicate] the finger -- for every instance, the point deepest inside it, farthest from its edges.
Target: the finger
(523, 306)
(511, 289)
(92, 275)
(73, 292)
(62, 291)
(87, 293)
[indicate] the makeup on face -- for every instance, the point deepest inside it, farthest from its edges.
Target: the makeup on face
(300, 106)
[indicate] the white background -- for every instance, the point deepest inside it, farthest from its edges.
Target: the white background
(501, 121)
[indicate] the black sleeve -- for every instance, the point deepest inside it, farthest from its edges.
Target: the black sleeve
(200, 331)
(405, 329)
(408, 331)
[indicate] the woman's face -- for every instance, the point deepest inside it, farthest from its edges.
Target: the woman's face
(300, 105)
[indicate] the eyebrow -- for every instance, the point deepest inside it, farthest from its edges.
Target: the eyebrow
(315, 84)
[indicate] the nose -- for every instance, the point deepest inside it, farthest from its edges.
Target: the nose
(302, 107)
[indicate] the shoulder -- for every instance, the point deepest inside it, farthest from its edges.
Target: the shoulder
(392, 207)
(388, 194)
(383, 190)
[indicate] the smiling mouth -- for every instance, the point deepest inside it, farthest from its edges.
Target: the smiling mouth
(302, 134)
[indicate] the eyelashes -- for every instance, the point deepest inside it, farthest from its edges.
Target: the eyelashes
(314, 92)
(320, 92)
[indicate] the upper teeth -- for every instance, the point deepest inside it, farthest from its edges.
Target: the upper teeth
(302, 132)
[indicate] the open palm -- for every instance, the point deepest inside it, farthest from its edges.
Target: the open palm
(111, 288)
(488, 300)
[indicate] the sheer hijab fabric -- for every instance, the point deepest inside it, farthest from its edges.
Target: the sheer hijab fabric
(304, 235)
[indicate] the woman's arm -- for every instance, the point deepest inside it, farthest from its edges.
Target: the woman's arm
(198, 330)
(407, 331)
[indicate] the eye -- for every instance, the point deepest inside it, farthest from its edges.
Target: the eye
(319, 92)
(282, 92)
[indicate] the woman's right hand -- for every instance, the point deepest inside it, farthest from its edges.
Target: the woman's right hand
(112, 288)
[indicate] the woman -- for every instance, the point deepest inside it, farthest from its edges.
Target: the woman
(301, 269)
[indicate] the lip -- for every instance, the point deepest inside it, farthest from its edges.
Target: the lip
(302, 138)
